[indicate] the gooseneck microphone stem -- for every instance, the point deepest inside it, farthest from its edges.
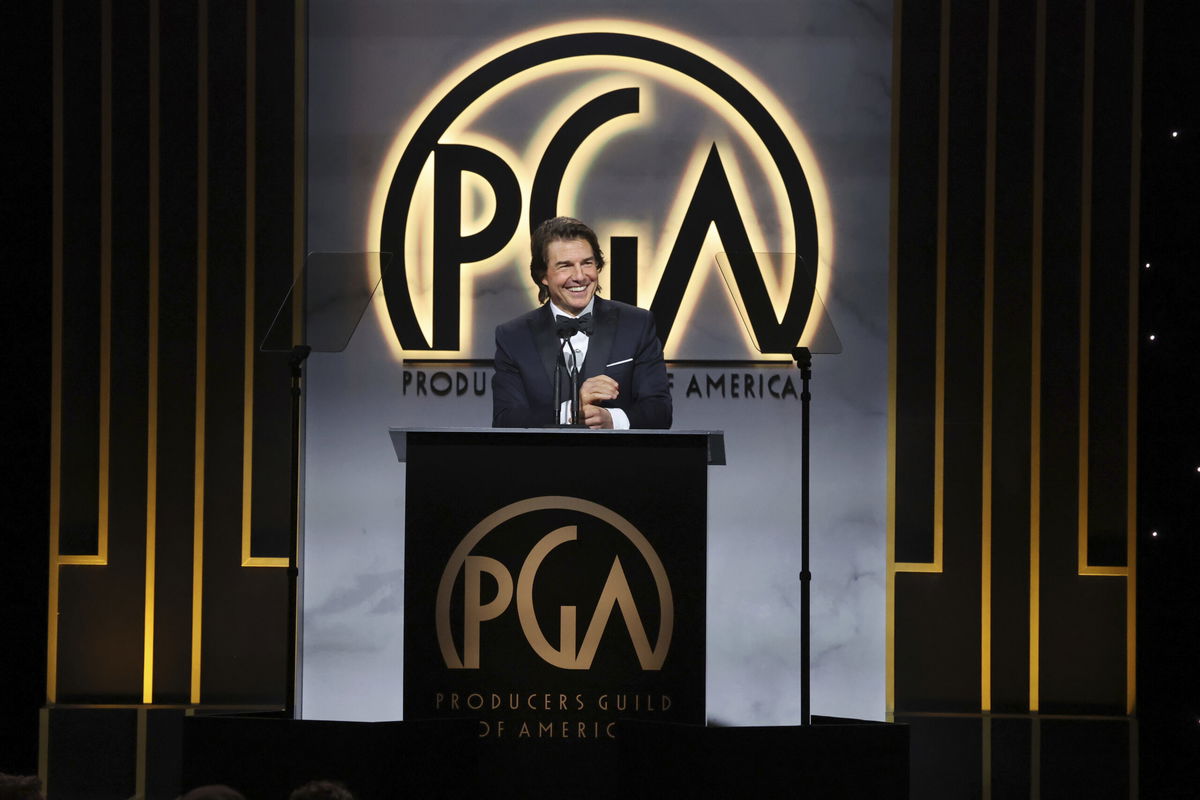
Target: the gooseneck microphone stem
(574, 415)
(803, 358)
(296, 363)
(565, 329)
(558, 388)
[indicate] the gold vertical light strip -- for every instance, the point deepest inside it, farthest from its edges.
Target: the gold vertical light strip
(939, 411)
(1035, 362)
(1135, 180)
(1085, 293)
(248, 323)
(989, 299)
(943, 202)
(152, 373)
(249, 350)
(1085, 277)
(247, 461)
(201, 340)
(299, 156)
(893, 373)
(105, 362)
(56, 358)
(104, 339)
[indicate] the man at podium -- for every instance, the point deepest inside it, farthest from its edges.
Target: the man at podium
(610, 348)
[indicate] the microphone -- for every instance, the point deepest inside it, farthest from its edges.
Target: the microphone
(574, 416)
(557, 392)
(565, 328)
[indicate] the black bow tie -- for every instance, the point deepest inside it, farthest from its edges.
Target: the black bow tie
(569, 326)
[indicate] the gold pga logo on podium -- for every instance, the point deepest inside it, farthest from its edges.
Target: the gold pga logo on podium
(616, 594)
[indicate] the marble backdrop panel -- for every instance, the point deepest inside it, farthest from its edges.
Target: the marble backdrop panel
(371, 64)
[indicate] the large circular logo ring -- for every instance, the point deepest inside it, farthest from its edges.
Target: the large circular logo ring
(572, 45)
(555, 503)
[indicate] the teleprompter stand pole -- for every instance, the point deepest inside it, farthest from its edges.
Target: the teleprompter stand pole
(803, 358)
(296, 361)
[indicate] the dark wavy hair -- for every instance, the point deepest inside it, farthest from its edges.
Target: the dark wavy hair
(559, 229)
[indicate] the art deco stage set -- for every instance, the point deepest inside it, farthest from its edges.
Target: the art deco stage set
(896, 256)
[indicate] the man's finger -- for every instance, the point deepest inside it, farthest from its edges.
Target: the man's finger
(597, 388)
(597, 417)
(597, 381)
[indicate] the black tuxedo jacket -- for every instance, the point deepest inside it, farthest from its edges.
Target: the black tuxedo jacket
(624, 345)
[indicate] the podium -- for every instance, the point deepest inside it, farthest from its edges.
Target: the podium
(555, 578)
(539, 654)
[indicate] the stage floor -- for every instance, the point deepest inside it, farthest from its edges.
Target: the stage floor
(93, 752)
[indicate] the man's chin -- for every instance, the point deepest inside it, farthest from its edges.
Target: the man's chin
(577, 305)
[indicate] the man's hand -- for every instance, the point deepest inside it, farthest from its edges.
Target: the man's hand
(597, 389)
(597, 417)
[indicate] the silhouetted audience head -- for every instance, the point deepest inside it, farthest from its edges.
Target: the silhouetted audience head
(213, 792)
(20, 787)
(322, 790)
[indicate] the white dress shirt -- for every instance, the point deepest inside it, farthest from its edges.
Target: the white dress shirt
(579, 344)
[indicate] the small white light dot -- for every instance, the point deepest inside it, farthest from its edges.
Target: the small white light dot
(1154, 534)
(1147, 265)
(1153, 337)
(1174, 134)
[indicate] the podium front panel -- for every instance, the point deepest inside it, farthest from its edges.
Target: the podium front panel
(554, 581)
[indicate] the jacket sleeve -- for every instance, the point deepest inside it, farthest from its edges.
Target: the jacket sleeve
(651, 393)
(511, 407)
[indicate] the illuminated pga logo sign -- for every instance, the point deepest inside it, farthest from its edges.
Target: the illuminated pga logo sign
(667, 147)
(466, 569)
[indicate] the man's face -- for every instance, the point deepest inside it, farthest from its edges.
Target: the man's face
(570, 274)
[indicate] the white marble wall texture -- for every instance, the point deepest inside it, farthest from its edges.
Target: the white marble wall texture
(371, 64)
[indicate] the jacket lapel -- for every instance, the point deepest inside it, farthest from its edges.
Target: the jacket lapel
(542, 328)
(604, 331)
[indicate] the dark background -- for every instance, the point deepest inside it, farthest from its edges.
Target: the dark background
(1169, 418)
(25, 295)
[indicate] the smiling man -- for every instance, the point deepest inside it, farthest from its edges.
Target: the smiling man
(622, 376)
